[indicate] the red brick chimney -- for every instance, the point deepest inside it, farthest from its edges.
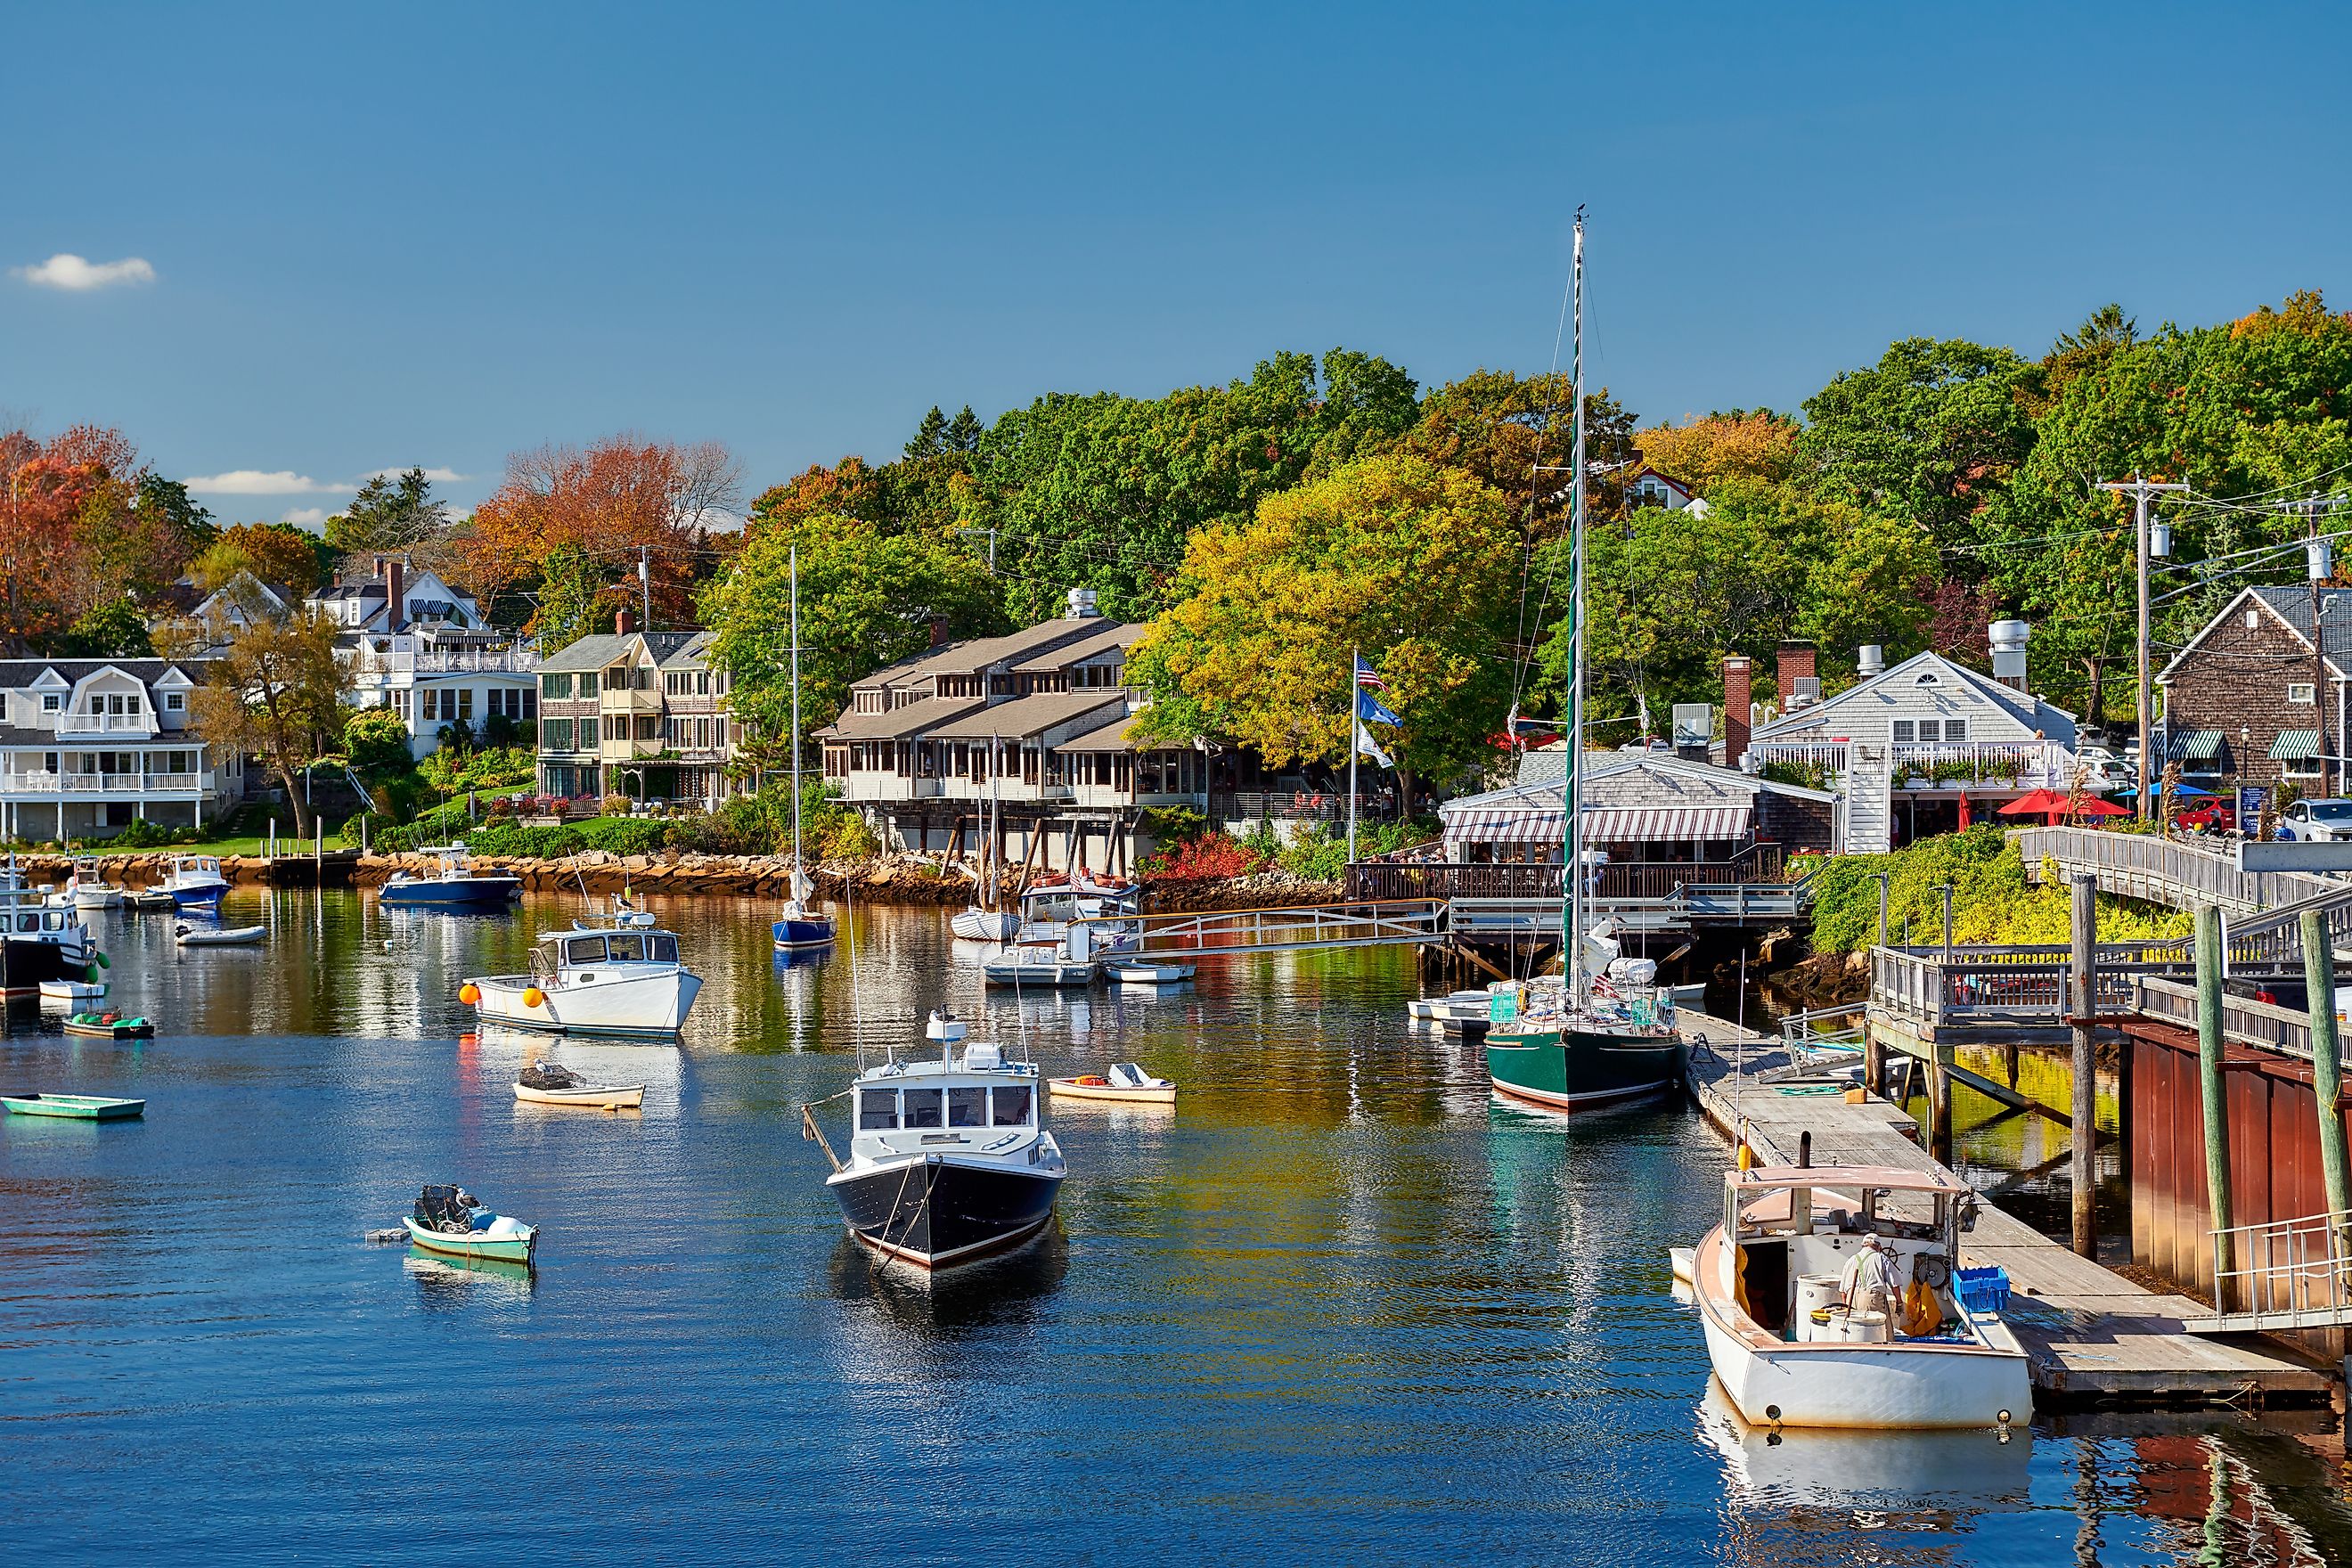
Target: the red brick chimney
(938, 631)
(1736, 706)
(1795, 662)
(396, 591)
(625, 623)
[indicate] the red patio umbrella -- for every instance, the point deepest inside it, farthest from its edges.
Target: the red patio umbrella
(2093, 805)
(2048, 801)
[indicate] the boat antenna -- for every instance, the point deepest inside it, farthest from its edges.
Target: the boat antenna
(1573, 906)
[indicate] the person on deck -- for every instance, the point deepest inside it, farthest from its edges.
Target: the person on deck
(1870, 1284)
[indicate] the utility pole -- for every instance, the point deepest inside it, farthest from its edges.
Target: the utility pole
(644, 588)
(2141, 489)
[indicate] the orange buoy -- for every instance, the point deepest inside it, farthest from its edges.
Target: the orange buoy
(470, 994)
(532, 996)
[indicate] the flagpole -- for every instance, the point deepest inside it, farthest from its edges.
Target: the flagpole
(1354, 656)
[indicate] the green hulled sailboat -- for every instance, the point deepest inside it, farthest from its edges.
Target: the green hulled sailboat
(1594, 1040)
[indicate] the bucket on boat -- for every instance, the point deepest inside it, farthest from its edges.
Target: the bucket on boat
(1861, 1327)
(1816, 1294)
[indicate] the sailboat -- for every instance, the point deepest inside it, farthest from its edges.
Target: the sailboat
(799, 930)
(1603, 1035)
(986, 920)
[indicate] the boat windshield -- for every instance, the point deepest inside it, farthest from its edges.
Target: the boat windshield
(1012, 1104)
(877, 1110)
(584, 949)
(968, 1105)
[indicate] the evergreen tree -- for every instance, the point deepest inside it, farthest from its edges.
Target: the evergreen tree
(930, 436)
(963, 435)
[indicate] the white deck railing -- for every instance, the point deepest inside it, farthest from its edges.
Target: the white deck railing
(125, 784)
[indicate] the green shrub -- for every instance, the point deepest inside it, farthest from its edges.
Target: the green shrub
(145, 834)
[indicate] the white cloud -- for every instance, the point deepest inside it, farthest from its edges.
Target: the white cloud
(310, 517)
(80, 274)
(437, 476)
(254, 482)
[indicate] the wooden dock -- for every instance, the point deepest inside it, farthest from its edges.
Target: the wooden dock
(2094, 1337)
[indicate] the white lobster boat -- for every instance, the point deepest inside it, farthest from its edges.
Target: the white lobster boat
(622, 981)
(1789, 1353)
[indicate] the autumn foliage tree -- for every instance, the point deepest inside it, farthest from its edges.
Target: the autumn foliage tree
(610, 501)
(83, 523)
(275, 694)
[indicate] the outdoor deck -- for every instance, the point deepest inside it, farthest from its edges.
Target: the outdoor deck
(2094, 1337)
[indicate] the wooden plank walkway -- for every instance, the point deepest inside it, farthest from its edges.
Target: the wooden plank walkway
(2094, 1337)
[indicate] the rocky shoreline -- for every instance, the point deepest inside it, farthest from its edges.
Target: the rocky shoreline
(887, 879)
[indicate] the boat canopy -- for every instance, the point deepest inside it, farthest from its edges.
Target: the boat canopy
(575, 948)
(1895, 1178)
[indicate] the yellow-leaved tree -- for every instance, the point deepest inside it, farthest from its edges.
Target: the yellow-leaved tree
(1415, 565)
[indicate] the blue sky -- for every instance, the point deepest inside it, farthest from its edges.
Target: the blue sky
(434, 235)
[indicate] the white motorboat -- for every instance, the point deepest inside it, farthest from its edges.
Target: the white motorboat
(1038, 966)
(72, 990)
(1791, 1345)
(194, 879)
(551, 1083)
(949, 1155)
(978, 924)
(90, 888)
(1136, 972)
(1432, 1009)
(41, 940)
(218, 936)
(1126, 1083)
(623, 980)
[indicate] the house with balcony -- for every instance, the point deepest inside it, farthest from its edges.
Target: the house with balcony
(395, 594)
(635, 713)
(2257, 697)
(89, 746)
(1928, 746)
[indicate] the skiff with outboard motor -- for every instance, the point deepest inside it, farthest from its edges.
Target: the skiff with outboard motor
(452, 1222)
(452, 884)
(1829, 1298)
(622, 980)
(950, 1160)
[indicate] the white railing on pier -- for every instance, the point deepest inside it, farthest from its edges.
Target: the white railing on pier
(2285, 1274)
(1409, 923)
(2168, 871)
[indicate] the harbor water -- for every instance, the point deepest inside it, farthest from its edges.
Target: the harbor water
(1341, 1306)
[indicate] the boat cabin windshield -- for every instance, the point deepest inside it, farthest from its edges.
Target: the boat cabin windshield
(577, 949)
(885, 1107)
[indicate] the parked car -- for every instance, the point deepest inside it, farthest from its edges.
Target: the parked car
(2215, 816)
(2315, 822)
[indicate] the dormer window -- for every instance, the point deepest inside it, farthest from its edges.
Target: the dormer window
(52, 703)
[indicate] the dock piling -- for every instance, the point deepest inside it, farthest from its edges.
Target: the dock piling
(2327, 1059)
(2213, 1092)
(2081, 1003)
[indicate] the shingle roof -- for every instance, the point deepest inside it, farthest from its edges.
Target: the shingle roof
(15, 672)
(1122, 635)
(983, 652)
(1112, 737)
(1026, 716)
(596, 652)
(899, 723)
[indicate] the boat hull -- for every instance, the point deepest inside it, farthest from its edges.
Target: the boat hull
(450, 893)
(139, 1031)
(934, 1212)
(1579, 1069)
(985, 925)
(607, 1097)
(189, 897)
(474, 1244)
(1065, 972)
(71, 990)
(235, 936)
(74, 1106)
(1879, 1387)
(1068, 1088)
(798, 934)
(646, 1006)
(29, 963)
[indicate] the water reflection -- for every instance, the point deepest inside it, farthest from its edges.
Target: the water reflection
(443, 1283)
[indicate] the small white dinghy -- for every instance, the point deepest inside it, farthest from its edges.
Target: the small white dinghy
(1126, 1083)
(548, 1083)
(220, 936)
(1134, 972)
(72, 991)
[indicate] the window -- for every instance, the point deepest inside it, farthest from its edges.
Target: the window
(877, 1110)
(702, 683)
(1955, 732)
(629, 948)
(968, 1107)
(558, 734)
(2300, 768)
(584, 949)
(530, 704)
(2302, 691)
(2253, 620)
(922, 1107)
(133, 704)
(662, 948)
(51, 701)
(588, 683)
(465, 702)
(587, 735)
(1012, 1106)
(649, 727)
(1905, 732)
(555, 685)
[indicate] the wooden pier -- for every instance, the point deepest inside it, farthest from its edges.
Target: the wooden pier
(2094, 1337)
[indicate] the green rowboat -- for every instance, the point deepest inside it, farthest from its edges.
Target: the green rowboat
(104, 1026)
(477, 1244)
(80, 1107)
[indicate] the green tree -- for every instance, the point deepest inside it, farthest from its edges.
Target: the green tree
(390, 513)
(277, 553)
(963, 432)
(1513, 432)
(275, 694)
(866, 599)
(376, 742)
(114, 629)
(170, 501)
(1416, 565)
(576, 597)
(930, 436)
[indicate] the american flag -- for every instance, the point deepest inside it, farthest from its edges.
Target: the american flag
(1368, 678)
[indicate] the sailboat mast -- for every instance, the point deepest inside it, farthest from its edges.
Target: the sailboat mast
(795, 567)
(1572, 791)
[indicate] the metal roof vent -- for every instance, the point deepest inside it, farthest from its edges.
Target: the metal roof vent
(1872, 660)
(1082, 605)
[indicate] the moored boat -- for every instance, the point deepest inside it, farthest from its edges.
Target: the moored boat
(1137, 971)
(1126, 1083)
(453, 884)
(798, 928)
(621, 981)
(450, 1220)
(194, 879)
(74, 1107)
(1827, 1297)
(950, 1160)
(41, 940)
(72, 990)
(978, 924)
(90, 888)
(218, 936)
(109, 1026)
(549, 1083)
(1038, 967)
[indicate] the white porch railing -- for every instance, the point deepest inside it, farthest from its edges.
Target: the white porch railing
(465, 661)
(80, 724)
(2027, 764)
(125, 785)
(1830, 755)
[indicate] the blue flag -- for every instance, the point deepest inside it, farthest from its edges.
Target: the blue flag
(1370, 707)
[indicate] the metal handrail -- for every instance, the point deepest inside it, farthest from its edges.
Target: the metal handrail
(2285, 1266)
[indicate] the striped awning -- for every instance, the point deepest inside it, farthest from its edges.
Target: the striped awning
(2196, 747)
(1507, 824)
(1681, 824)
(2295, 745)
